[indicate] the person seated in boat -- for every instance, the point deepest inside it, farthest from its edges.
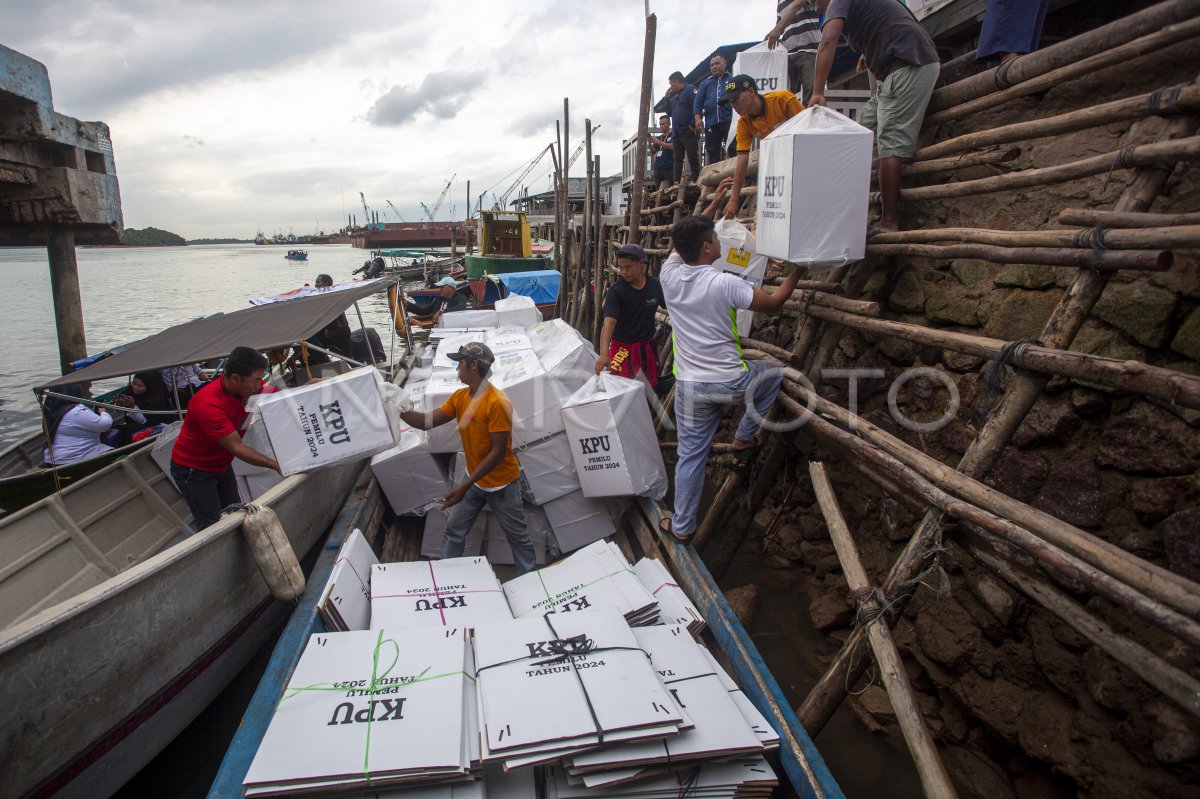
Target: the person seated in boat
(145, 392)
(201, 461)
(448, 300)
(183, 381)
(336, 335)
(484, 418)
(627, 339)
(371, 268)
(73, 429)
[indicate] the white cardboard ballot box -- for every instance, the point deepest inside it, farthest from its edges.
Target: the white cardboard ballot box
(534, 394)
(255, 437)
(547, 469)
(739, 256)
(453, 319)
(565, 355)
(578, 521)
(441, 384)
(814, 174)
(409, 475)
(768, 67)
(497, 547)
(517, 309)
(336, 420)
(612, 439)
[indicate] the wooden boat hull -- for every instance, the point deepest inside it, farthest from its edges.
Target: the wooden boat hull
(24, 486)
(98, 680)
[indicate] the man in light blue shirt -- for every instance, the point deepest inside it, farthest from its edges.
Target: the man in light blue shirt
(717, 116)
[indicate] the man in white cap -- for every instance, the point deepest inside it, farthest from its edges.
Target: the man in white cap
(448, 299)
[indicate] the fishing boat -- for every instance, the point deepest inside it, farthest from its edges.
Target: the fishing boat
(119, 623)
(802, 764)
(24, 479)
(296, 255)
(504, 246)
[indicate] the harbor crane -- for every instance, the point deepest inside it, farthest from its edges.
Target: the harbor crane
(366, 210)
(503, 198)
(396, 211)
(440, 199)
(579, 150)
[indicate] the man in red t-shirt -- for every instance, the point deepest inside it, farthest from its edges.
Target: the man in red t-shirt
(201, 461)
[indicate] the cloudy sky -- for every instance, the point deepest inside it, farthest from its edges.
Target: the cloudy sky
(230, 116)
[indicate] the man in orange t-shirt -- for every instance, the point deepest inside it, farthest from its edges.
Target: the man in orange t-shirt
(758, 115)
(484, 417)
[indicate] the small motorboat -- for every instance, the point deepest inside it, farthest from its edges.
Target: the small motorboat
(297, 255)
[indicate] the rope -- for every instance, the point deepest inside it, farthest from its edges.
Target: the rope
(1125, 157)
(1091, 239)
(1000, 77)
(995, 375)
(1154, 103)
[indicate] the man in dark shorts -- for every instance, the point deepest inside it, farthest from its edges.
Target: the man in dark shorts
(902, 56)
(201, 461)
(627, 338)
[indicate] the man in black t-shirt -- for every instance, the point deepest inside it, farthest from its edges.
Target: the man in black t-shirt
(627, 339)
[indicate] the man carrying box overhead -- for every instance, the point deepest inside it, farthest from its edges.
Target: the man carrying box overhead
(902, 56)
(758, 115)
(484, 417)
(627, 338)
(202, 458)
(709, 369)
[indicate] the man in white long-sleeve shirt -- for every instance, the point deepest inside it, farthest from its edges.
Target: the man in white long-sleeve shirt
(709, 369)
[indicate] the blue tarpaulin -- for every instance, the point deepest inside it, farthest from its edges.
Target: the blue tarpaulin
(540, 285)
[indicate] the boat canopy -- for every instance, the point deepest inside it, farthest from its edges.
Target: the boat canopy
(539, 284)
(260, 327)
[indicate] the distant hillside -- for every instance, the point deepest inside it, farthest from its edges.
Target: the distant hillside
(220, 241)
(152, 237)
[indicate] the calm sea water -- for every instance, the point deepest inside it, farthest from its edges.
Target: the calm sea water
(132, 292)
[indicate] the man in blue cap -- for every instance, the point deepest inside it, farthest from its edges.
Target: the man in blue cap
(448, 299)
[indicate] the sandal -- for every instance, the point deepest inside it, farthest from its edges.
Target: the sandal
(746, 454)
(665, 526)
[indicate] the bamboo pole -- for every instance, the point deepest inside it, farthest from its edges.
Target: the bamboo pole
(1088, 217)
(941, 109)
(1145, 238)
(934, 778)
(811, 285)
(1104, 260)
(1158, 154)
(639, 150)
(1173, 683)
(1168, 588)
(728, 491)
(1123, 110)
(936, 165)
(803, 297)
(601, 263)
(1151, 381)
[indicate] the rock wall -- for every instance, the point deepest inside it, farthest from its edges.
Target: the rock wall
(1021, 704)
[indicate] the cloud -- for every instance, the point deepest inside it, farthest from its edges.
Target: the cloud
(441, 94)
(533, 123)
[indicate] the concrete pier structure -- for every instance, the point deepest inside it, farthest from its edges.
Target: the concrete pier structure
(58, 187)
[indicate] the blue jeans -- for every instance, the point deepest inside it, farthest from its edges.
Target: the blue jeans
(506, 504)
(206, 493)
(697, 414)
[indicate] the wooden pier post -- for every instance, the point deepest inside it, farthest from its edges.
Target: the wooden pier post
(639, 149)
(64, 287)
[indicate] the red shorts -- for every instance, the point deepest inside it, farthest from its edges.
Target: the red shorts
(627, 359)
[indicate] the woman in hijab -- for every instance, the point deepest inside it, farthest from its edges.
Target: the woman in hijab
(72, 428)
(145, 392)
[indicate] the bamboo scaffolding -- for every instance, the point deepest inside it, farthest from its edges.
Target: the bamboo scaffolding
(1124, 110)
(1172, 590)
(1117, 219)
(1105, 260)
(932, 771)
(1143, 155)
(1146, 238)
(1151, 381)
(1074, 68)
(811, 285)
(713, 174)
(1172, 682)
